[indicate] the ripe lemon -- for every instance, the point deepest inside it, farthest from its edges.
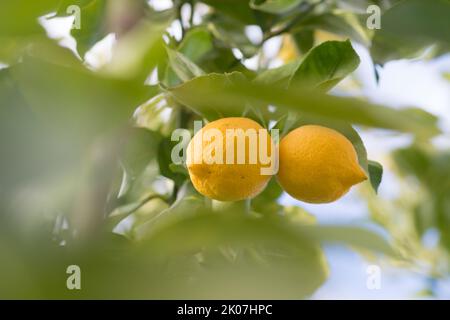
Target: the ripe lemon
(229, 180)
(318, 164)
(288, 51)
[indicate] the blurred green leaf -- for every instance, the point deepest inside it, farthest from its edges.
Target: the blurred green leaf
(55, 125)
(232, 34)
(266, 201)
(122, 212)
(275, 6)
(353, 236)
(19, 26)
(105, 104)
(139, 148)
(20, 18)
(140, 50)
(409, 27)
(216, 92)
(304, 40)
(196, 43)
(237, 9)
(297, 261)
(413, 161)
(92, 22)
(165, 160)
(298, 215)
(177, 168)
(345, 24)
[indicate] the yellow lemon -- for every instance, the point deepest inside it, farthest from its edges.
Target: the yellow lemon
(318, 164)
(227, 159)
(288, 51)
(322, 36)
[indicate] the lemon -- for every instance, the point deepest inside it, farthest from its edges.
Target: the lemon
(318, 164)
(222, 166)
(322, 36)
(288, 51)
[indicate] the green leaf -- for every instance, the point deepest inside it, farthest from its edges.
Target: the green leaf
(215, 95)
(19, 18)
(165, 160)
(231, 34)
(322, 68)
(353, 236)
(211, 83)
(411, 26)
(414, 161)
(195, 46)
(19, 26)
(298, 215)
(196, 43)
(326, 65)
(139, 148)
(237, 9)
(278, 76)
(140, 50)
(122, 212)
(53, 122)
(105, 103)
(178, 168)
(275, 6)
(276, 249)
(345, 24)
(375, 174)
(304, 40)
(266, 201)
(92, 27)
(184, 68)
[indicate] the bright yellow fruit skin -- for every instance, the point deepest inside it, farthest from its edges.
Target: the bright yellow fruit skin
(318, 164)
(227, 182)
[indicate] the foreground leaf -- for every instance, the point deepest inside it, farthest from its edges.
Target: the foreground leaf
(218, 94)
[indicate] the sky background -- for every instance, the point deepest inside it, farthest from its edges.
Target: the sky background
(403, 83)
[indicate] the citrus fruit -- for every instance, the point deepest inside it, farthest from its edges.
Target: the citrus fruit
(318, 164)
(221, 159)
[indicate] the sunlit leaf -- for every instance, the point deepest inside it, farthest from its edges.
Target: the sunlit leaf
(184, 68)
(326, 65)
